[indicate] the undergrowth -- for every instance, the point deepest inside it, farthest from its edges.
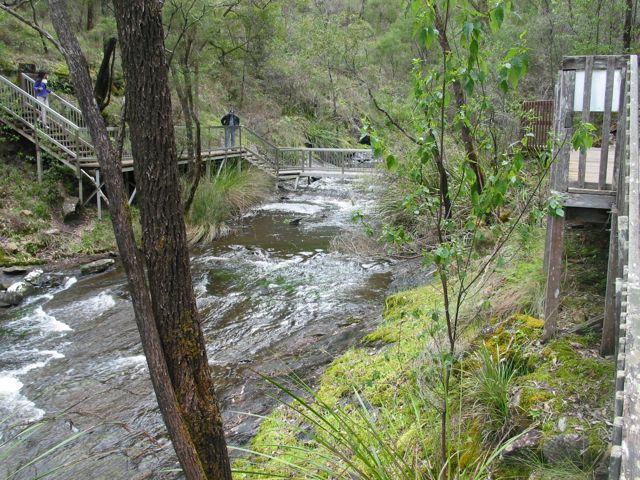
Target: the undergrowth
(374, 413)
(220, 199)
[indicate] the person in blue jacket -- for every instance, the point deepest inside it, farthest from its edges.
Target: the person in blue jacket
(231, 122)
(42, 95)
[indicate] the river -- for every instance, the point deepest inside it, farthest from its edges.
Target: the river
(274, 297)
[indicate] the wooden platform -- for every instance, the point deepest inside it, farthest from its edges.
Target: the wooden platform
(592, 170)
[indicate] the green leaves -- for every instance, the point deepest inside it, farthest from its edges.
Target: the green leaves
(554, 206)
(583, 136)
(515, 66)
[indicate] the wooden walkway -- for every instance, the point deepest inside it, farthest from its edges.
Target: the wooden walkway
(604, 183)
(67, 140)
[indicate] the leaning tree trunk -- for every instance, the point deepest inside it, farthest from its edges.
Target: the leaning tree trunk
(104, 80)
(164, 238)
(198, 462)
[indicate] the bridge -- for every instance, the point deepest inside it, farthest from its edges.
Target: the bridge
(602, 185)
(67, 140)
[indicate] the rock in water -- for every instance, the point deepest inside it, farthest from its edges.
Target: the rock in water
(98, 266)
(16, 270)
(10, 299)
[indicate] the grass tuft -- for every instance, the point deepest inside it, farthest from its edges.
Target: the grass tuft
(219, 200)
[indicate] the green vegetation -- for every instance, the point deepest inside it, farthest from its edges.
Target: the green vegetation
(223, 198)
(375, 413)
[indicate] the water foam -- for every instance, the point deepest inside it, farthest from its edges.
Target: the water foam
(49, 323)
(15, 402)
(302, 208)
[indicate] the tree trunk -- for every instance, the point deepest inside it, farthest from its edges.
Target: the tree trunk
(164, 237)
(458, 97)
(628, 16)
(102, 89)
(91, 15)
(210, 462)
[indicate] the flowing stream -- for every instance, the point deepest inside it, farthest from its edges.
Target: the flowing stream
(274, 298)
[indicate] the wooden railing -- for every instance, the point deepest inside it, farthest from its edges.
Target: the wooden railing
(625, 454)
(68, 139)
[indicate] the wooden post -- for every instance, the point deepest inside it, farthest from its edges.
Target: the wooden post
(606, 124)
(559, 181)
(586, 110)
(612, 300)
(38, 159)
(98, 196)
(608, 342)
(631, 410)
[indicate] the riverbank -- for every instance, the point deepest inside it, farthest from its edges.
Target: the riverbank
(519, 408)
(35, 231)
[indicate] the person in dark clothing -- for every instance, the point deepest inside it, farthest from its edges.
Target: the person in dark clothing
(231, 123)
(42, 95)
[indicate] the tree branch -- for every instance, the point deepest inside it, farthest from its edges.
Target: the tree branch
(33, 25)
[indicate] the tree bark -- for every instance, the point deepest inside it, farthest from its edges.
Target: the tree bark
(164, 237)
(102, 89)
(91, 15)
(190, 420)
(627, 34)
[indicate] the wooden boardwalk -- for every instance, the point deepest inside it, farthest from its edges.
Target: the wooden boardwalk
(603, 185)
(67, 140)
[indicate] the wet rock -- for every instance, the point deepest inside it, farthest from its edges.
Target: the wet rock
(528, 441)
(98, 266)
(295, 221)
(16, 270)
(10, 299)
(33, 277)
(572, 448)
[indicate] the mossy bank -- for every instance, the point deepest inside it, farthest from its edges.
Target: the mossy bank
(520, 408)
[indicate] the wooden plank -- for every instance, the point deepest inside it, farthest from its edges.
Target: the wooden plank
(586, 105)
(599, 62)
(587, 200)
(606, 124)
(631, 435)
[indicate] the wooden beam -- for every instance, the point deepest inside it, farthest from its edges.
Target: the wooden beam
(588, 200)
(599, 62)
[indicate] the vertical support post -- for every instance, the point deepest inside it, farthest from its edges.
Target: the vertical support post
(608, 342)
(98, 194)
(586, 110)
(559, 182)
(39, 160)
(606, 124)
(207, 168)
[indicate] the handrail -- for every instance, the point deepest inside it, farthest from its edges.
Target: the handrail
(30, 81)
(312, 149)
(32, 100)
(260, 137)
